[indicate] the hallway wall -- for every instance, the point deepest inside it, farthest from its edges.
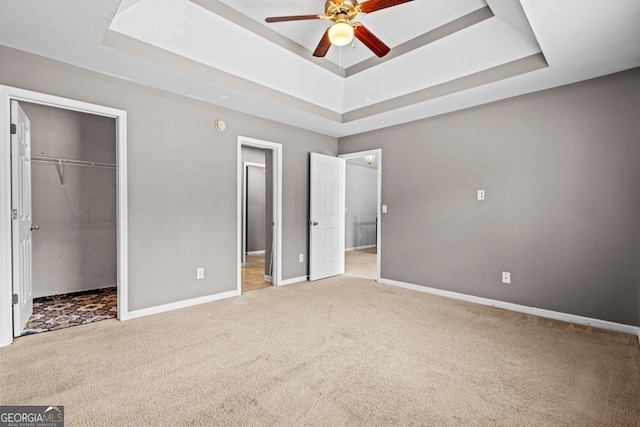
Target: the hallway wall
(361, 197)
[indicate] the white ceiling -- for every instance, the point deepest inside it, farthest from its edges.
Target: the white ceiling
(446, 54)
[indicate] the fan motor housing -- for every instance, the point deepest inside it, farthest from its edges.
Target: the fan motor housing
(345, 9)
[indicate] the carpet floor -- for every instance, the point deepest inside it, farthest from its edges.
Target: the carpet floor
(345, 351)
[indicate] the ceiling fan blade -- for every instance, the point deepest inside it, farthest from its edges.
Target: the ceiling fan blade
(292, 18)
(373, 5)
(372, 42)
(323, 46)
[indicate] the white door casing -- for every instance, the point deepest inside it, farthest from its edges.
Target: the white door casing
(327, 220)
(21, 218)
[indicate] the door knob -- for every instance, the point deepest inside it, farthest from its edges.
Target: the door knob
(314, 223)
(35, 227)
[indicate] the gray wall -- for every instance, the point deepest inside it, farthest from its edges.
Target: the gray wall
(256, 187)
(75, 248)
(562, 209)
(182, 179)
(361, 196)
(559, 167)
(255, 204)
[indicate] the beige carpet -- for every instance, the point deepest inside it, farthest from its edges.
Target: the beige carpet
(340, 352)
(361, 263)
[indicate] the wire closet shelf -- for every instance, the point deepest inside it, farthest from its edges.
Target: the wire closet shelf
(61, 163)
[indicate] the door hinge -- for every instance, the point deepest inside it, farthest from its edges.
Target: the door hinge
(15, 298)
(14, 213)
(14, 129)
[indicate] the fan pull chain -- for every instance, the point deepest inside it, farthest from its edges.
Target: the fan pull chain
(341, 58)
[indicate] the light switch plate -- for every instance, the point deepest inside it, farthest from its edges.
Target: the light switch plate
(480, 194)
(384, 208)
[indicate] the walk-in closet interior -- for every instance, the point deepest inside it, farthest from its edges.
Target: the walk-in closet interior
(73, 176)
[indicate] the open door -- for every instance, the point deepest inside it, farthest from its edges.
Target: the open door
(326, 222)
(22, 226)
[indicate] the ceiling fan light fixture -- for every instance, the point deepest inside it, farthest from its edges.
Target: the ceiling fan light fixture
(340, 34)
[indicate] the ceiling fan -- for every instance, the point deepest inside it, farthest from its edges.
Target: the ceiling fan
(341, 12)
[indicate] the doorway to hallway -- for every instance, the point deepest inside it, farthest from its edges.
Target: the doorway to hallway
(259, 213)
(256, 272)
(363, 195)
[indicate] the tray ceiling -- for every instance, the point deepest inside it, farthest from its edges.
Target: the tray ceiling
(445, 55)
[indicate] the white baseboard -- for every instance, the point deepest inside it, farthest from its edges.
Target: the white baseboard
(72, 291)
(549, 314)
(180, 304)
(357, 248)
(262, 252)
(294, 280)
(6, 341)
(268, 278)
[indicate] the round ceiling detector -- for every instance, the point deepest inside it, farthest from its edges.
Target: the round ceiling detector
(221, 125)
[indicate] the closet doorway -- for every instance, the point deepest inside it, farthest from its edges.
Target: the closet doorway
(16, 298)
(74, 212)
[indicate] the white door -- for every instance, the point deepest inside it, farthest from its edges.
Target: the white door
(326, 222)
(22, 220)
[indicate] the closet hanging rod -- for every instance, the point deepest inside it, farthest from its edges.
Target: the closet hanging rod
(71, 162)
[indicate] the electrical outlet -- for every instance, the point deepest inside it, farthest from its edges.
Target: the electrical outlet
(301, 258)
(200, 273)
(506, 277)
